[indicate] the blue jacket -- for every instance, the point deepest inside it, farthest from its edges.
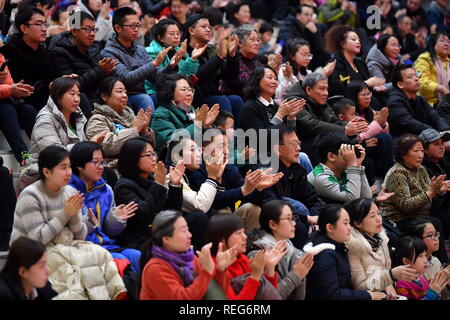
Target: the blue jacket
(330, 277)
(100, 198)
(439, 16)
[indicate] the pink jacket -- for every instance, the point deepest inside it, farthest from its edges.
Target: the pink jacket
(373, 130)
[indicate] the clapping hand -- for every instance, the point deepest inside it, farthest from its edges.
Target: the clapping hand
(125, 212)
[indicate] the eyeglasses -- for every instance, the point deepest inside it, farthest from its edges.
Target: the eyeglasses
(433, 236)
(186, 89)
(291, 219)
(133, 26)
(292, 144)
(443, 39)
(150, 155)
(174, 33)
(39, 24)
(89, 30)
(366, 95)
(307, 56)
(99, 164)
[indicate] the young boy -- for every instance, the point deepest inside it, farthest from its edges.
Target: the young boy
(225, 122)
(339, 177)
(266, 32)
(345, 110)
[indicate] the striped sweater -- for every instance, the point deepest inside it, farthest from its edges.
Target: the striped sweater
(416, 290)
(40, 216)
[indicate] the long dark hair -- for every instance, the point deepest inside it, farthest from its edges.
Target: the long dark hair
(292, 47)
(252, 90)
(129, 157)
(352, 91)
(24, 252)
(432, 43)
(329, 214)
(220, 227)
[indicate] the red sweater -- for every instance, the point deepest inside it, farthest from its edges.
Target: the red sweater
(160, 281)
(242, 266)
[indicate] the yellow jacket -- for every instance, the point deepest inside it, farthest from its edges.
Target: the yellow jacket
(428, 80)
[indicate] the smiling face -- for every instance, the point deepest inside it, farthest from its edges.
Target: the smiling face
(250, 47)
(59, 176)
(392, 49)
(352, 44)
(319, 92)
(268, 83)
(118, 98)
(70, 100)
(414, 157)
(372, 223)
(180, 241)
(183, 93)
(243, 16)
(130, 29)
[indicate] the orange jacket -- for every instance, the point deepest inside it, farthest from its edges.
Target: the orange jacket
(6, 88)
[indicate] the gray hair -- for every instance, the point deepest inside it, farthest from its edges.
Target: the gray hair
(244, 31)
(162, 225)
(312, 78)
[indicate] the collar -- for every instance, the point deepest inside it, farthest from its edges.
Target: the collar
(80, 185)
(34, 294)
(265, 102)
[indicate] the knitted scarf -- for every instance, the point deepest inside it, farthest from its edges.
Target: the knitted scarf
(183, 263)
(375, 241)
(443, 74)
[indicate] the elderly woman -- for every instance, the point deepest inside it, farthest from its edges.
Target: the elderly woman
(435, 67)
(317, 116)
(113, 116)
(59, 123)
(414, 190)
(175, 95)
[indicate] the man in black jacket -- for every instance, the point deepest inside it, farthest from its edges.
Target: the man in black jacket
(28, 58)
(76, 52)
(293, 186)
(301, 25)
(409, 113)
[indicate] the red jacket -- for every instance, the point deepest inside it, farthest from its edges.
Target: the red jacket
(5, 88)
(242, 266)
(160, 281)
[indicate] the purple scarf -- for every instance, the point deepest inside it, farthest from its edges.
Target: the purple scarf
(183, 263)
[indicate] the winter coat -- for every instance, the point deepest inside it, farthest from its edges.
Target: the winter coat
(6, 87)
(412, 115)
(35, 67)
(290, 285)
(291, 29)
(439, 16)
(151, 198)
(330, 276)
(380, 65)
(51, 129)
(410, 200)
(351, 185)
(332, 14)
(314, 119)
(105, 27)
(167, 119)
(186, 66)
(119, 128)
(99, 198)
(370, 270)
(70, 60)
(11, 290)
(134, 65)
(429, 79)
(343, 73)
(374, 127)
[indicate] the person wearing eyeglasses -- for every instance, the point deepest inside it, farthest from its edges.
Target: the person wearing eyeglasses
(142, 181)
(435, 67)
(409, 112)
(100, 11)
(28, 57)
(104, 220)
(77, 52)
(135, 65)
(425, 230)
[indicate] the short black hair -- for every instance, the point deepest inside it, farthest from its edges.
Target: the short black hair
(382, 42)
(404, 144)
(265, 27)
(358, 209)
(24, 15)
(330, 142)
(416, 227)
(50, 157)
(166, 84)
(410, 248)
(252, 90)
(82, 153)
(60, 86)
(397, 73)
(221, 227)
(105, 87)
(283, 130)
(33, 3)
(79, 17)
(214, 15)
(129, 157)
(342, 105)
(222, 118)
(120, 15)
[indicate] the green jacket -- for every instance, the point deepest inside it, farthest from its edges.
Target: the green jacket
(331, 12)
(186, 66)
(167, 119)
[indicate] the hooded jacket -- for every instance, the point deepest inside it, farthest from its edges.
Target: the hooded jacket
(412, 115)
(290, 285)
(35, 67)
(134, 65)
(70, 60)
(99, 198)
(380, 66)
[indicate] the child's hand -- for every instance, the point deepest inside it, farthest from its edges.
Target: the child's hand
(371, 142)
(439, 282)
